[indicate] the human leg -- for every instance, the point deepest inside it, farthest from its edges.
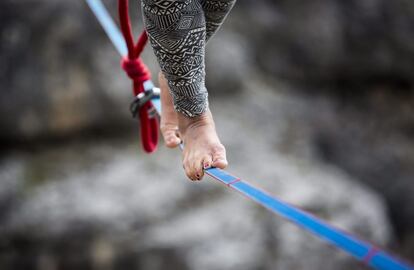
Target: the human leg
(215, 12)
(177, 32)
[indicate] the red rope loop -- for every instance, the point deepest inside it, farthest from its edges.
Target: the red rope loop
(139, 73)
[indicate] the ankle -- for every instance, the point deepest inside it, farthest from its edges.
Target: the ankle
(184, 122)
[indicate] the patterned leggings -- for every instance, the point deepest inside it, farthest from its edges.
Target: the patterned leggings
(178, 31)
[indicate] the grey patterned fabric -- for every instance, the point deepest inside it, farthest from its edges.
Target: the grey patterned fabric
(178, 31)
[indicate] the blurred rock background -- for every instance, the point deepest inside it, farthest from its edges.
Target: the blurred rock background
(319, 93)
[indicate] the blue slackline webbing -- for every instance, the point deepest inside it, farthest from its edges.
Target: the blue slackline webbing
(108, 25)
(359, 249)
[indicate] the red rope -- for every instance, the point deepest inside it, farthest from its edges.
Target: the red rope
(139, 73)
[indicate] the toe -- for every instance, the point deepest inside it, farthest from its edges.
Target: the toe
(170, 137)
(171, 140)
(207, 162)
(198, 166)
(219, 157)
(189, 171)
(220, 163)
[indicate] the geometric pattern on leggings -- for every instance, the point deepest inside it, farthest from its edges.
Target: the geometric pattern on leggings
(178, 31)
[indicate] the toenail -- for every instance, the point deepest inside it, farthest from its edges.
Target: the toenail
(206, 165)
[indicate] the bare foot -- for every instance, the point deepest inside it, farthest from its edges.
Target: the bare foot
(202, 145)
(169, 121)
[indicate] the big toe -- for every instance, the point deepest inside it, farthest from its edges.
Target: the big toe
(219, 157)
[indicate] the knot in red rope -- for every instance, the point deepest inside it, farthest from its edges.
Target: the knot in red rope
(136, 69)
(139, 73)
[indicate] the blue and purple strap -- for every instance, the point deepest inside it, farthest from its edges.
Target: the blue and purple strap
(361, 250)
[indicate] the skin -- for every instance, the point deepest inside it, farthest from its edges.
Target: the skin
(203, 148)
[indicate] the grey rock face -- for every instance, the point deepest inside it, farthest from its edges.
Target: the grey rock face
(59, 74)
(330, 41)
(96, 207)
(380, 153)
